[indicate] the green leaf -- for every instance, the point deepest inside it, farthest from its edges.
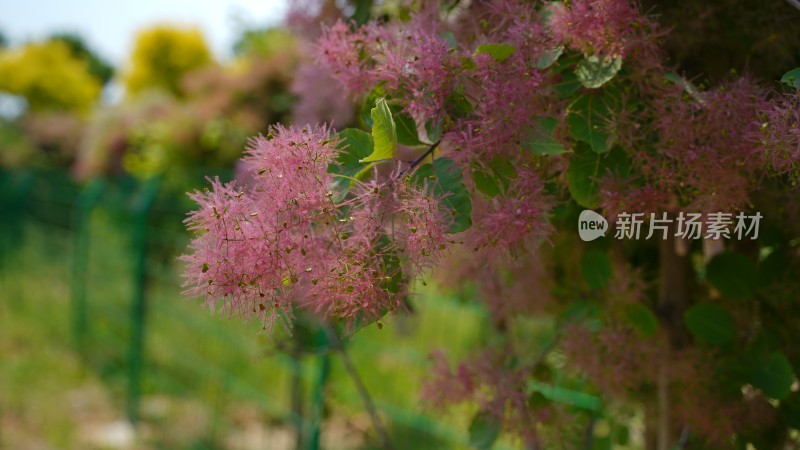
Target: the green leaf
(384, 133)
(549, 57)
(790, 410)
(495, 178)
(774, 377)
(594, 72)
(458, 105)
(568, 85)
(596, 268)
(642, 319)
(500, 52)
(540, 141)
(734, 275)
(588, 119)
(710, 323)
(485, 183)
(446, 179)
(374, 95)
(434, 130)
(406, 128)
(586, 168)
(467, 63)
(792, 78)
(450, 38)
(687, 85)
(484, 431)
(567, 396)
(356, 145)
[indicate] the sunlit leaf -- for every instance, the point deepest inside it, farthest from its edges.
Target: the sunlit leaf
(792, 78)
(549, 57)
(384, 133)
(594, 72)
(500, 52)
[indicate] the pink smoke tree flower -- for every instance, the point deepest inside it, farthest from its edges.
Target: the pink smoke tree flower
(493, 126)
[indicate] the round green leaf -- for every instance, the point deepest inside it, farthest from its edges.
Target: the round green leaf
(710, 323)
(588, 119)
(792, 78)
(549, 57)
(539, 139)
(734, 275)
(594, 72)
(406, 128)
(596, 268)
(483, 431)
(586, 168)
(642, 319)
(448, 185)
(774, 377)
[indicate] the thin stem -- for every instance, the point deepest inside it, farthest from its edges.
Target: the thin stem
(684, 438)
(546, 350)
(336, 344)
(795, 3)
(421, 158)
(588, 441)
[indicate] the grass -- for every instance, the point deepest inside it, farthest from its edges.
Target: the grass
(207, 382)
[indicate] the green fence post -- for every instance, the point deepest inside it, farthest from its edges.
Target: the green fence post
(141, 208)
(16, 188)
(86, 202)
(318, 395)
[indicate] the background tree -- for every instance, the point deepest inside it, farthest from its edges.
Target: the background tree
(162, 55)
(49, 76)
(99, 67)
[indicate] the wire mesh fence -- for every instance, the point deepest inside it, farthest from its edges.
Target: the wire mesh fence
(113, 242)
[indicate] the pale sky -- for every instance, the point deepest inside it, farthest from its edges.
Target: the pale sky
(109, 26)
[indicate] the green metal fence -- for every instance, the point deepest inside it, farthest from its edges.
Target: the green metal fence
(130, 325)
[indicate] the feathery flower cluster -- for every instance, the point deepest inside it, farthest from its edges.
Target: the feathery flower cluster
(282, 242)
(607, 28)
(500, 391)
(506, 94)
(705, 153)
(516, 221)
(411, 61)
(780, 135)
(316, 102)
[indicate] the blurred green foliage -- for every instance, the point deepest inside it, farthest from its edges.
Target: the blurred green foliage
(98, 67)
(264, 42)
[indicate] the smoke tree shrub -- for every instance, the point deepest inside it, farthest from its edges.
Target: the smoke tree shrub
(518, 115)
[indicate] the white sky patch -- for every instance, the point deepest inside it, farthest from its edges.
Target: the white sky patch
(110, 27)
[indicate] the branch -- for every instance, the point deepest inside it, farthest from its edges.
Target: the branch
(421, 158)
(795, 3)
(336, 344)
